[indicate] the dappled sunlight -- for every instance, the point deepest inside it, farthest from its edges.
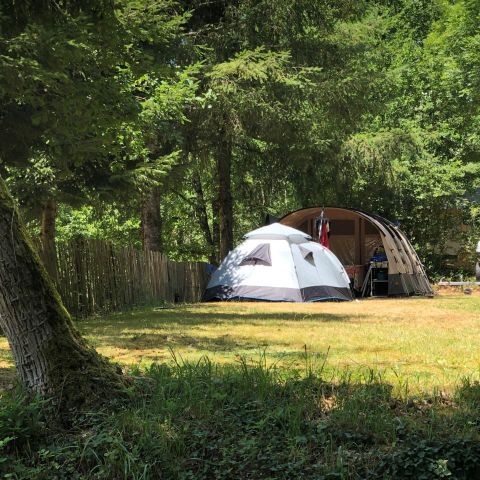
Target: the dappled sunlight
(7, 368)
(6, 360)
(420, 343)
(425, 343)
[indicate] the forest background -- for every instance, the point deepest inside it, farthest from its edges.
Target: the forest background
(178, 126)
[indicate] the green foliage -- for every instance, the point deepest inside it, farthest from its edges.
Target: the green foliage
(101, 119)
(425, 460)
(21, 422)
(110, 222)
(372, 105)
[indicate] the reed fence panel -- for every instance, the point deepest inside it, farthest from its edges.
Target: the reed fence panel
(96, 277)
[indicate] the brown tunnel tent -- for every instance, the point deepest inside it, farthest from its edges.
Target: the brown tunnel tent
(355, 237)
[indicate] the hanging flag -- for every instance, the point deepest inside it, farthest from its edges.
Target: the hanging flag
(323, 238)
(323, 231)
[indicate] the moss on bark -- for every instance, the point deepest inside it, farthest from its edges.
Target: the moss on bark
(52, 357)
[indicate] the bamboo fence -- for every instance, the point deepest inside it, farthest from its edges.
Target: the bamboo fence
(96, 277)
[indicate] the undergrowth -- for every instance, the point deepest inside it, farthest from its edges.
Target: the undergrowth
(247, 421)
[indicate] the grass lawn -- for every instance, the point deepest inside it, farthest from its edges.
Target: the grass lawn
(415, 344)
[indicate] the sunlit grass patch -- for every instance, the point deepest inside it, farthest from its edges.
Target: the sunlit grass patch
(416, 344)
(423, 343)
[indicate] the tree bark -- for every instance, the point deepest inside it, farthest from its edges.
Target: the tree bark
(47, 237)
(225, 203)
(202, 215)
(216, 230)
(51, 357)
(152, 222)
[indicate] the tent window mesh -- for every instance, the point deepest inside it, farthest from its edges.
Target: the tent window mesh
(260, 255)
(307, 254)
(309, 258)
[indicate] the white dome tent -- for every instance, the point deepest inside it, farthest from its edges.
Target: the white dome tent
(279, 264)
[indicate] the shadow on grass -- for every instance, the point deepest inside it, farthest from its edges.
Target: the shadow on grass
(203, 420)
(124, 330)
(145, 341)
(185, 316)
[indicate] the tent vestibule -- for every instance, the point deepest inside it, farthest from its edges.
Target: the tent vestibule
(355, 237)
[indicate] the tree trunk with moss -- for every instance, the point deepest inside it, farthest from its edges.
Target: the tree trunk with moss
(47, 237)
(52, 358)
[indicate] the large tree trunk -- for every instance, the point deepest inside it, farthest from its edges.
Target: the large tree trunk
(47, 237)
(201, 209)
(51, 357)
(152, 222)
(225, 203)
